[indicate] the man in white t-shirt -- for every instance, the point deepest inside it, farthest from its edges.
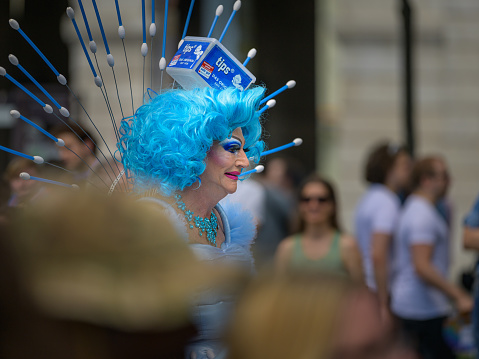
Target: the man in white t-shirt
(388, 171)
(420, 290)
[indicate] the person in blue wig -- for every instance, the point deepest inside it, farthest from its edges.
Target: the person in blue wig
(184, 151)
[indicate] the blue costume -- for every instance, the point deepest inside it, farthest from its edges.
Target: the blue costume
(165, 147)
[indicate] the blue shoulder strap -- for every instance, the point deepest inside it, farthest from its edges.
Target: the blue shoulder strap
(226, 224)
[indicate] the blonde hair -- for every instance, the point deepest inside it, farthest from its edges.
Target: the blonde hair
(288, 316)
(108, 261)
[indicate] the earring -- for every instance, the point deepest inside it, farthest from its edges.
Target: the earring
(199, 182)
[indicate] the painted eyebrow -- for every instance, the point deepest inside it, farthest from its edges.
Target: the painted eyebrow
(238, 139)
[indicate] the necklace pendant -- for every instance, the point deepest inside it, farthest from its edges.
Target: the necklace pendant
(208, 225)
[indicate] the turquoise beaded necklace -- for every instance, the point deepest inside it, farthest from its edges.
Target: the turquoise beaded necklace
(210, 226)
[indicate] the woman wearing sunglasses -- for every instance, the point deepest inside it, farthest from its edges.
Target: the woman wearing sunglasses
(319, 244)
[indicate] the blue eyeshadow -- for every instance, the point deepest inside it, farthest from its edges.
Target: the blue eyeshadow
(229, 143)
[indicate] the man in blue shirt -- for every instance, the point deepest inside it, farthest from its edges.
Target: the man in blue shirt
(471, 241)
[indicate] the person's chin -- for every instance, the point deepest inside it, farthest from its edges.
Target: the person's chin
(315, 220)
(231, 188)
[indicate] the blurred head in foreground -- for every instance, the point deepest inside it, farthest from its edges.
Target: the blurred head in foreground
(310, 316)
(104, 278)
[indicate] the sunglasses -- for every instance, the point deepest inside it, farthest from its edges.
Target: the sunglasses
(317, 199)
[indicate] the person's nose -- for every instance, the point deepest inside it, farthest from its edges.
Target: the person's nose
(242, 160)
(313, 205)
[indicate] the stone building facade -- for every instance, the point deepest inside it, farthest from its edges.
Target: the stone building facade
(363, 56)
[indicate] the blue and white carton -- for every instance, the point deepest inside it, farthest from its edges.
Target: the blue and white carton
(203, 61)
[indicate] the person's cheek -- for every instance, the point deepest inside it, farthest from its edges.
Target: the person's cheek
(220, 157)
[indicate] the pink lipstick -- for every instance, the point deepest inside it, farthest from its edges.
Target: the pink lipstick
(233, 175)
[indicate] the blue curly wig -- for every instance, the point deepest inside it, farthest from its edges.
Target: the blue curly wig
(165, 144)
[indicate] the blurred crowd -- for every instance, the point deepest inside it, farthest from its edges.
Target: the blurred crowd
(90, 276)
